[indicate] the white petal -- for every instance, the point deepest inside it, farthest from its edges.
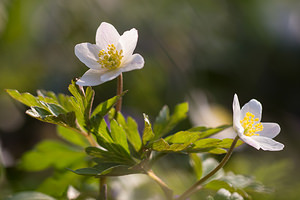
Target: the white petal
(91, 78)
(88, 54)
(110, 75)
(268, 144)
(106, 34)
(270, 130)
(236, 115)
(136, 61)
(128, 41)
(250, 141)
(254, 107)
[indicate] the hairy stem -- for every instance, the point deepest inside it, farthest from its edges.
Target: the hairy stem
(197, 186)
(167, 191)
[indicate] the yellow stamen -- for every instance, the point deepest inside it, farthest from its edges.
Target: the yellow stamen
(110, 59)
(248, 123)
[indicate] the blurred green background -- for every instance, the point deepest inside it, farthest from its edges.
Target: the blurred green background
(201, 51)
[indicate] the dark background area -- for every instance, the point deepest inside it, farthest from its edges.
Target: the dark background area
(217, 48)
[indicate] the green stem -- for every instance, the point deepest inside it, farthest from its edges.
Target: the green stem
(103, 180)
(102, 189)
(119, 92)
(168, 192)
(197, 186)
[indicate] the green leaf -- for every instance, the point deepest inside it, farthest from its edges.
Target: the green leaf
(131, 129)
(107, 170)
(119, 136)
(183, 137)
(196, 162)
(55, 109)
(82, 103)
(133, 134)
(25, 98)
(57, 184)
(67, 119)
(212, 145)
(164, 123)
(47, 96)
(50, 154)
(102, 156)
(206, 132)
(87, 171)
(162, 146)
(218, 184)
(30, 196)
(207, 143)
(102, 109)
(226, 143)
(72, 136)
(148, 134)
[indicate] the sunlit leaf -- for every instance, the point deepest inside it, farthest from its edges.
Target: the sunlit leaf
(162, 146)
(206, 132)
(131, 129)
(25, 98)
(183, 137)
(147, 133)
(119, 136)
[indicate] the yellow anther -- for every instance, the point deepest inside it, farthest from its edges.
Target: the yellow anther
(110, 59)
(248, 123)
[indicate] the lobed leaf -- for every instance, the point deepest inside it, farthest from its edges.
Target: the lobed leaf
(25, 98)
(104, 156)
(131, 130)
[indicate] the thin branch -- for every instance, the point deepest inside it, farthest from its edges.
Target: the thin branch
(197, 186)
(167, 191)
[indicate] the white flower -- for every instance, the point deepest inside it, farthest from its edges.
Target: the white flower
(246, 123)
(110, 56)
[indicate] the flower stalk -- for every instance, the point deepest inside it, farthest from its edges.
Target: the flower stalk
(197, 186)
(119, 92)
(167, 191)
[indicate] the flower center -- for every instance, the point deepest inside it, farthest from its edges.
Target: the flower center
(110, 59)
(250, 128)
